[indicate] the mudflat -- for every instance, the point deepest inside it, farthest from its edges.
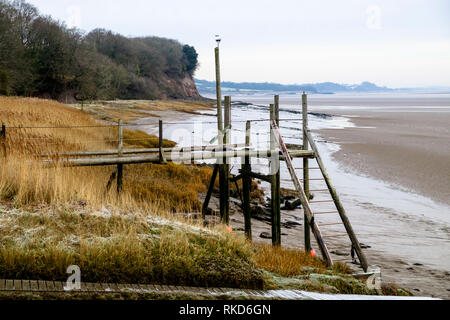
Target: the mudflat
(406, 146)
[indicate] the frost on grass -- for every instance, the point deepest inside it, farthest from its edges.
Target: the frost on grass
(121, 247)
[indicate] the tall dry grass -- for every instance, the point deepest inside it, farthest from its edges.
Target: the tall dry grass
(24, 180)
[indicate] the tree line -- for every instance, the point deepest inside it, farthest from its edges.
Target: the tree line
(40, 56)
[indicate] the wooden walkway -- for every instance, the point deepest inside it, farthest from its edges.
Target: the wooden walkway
(38, 286)
(21, 286)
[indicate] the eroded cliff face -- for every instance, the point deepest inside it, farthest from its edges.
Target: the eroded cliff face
(180, 87)
(189, 88)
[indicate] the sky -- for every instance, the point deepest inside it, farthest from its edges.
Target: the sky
(402, 43)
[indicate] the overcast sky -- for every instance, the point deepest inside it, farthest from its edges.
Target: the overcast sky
(401, 43)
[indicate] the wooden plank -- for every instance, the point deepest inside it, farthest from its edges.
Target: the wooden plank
(26, 285)
(83, 287)
(9, 285)
(3, 140)
(123, 287)
(325, 212)
(236, 178)
(173, 157)
(112, 287)
(34, 285)
(339, 206)
(305, 201)
(259, 176)
(2, 284)
(158, 287)
(225, 178)
(50, 286)
(151, 287)
(144, 288)
(119, 153)
(275, 206)
(335, 235)
(307, 227)
(59, 286)
(18, 285)
(141, 151)
(89, 287)
(330, 224)
(105, 287)
(210, 190)
(247, 185)
(120, 137)
(218, 92)
(162, 158)
(98, 287)
(42, 285)
(136, 287)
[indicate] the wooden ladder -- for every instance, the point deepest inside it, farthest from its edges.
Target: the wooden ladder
(306, 202)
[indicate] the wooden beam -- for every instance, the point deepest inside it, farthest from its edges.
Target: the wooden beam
(154, 158)
(275, 180)
(119, 152)
(141, 151)
(339, 206)
(307, 228)
(162, 158)
(210, 190)
(218, 94)
(3, 140)
(225, 177)
(247, 185)
(305, 201)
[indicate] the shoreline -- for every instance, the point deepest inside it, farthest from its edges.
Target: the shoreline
(427, 280)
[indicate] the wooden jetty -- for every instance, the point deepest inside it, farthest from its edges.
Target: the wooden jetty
(222, 153)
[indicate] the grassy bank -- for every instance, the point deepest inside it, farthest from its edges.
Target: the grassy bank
(130, 110)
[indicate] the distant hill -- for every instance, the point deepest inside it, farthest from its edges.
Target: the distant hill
(205, 86)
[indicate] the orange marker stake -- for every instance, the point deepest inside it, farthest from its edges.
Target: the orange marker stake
(313, 253)
(230, 229)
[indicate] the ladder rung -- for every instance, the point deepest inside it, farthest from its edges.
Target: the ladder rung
(319, 190)
(335, 235)
(321, 201)
(313, 168)
(342, 260)
(329, 224)
(326, 212)
(314, 179)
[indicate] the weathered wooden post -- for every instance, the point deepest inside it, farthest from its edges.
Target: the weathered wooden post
(120, 153)
(3, 139)
(162, 159)
(275, 178)
(307, 227)
(225, 183)
(220, 127)
(219, 94)
(247, 184)
(210, 190)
